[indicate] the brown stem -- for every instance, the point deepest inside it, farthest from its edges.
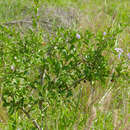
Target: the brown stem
(74, 84)
(29, 117)
(17, 22)
(21, 22)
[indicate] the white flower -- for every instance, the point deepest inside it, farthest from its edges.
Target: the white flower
(128, 56)
(12, 67)
(119, 50)
(104, 33)
(78, 36)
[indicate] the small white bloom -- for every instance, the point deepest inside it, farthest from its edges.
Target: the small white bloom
(119, 50)
(78, 36)
(12, 67)
(128, 56)
(104, 33)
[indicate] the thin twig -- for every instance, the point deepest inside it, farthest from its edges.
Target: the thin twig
(29, 117)
(16, 22)
(42, 76)
(77, 81)
(43, 116)
(74, 84)
(22, 22)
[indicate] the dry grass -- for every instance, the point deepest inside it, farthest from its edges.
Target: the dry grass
(105, 101)
(91, 118)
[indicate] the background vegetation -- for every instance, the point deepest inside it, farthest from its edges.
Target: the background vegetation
(64, 64)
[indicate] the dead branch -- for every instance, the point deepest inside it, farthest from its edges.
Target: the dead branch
(22, 22)
(16, 22)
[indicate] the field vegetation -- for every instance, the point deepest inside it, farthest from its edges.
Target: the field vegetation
(64, 64)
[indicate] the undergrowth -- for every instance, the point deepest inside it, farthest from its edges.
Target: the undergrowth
(68, 79)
